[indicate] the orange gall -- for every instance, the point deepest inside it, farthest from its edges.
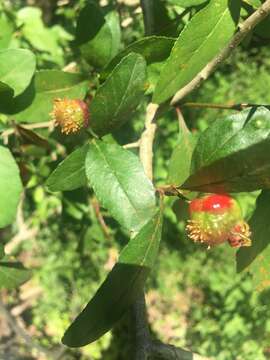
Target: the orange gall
(71, 115)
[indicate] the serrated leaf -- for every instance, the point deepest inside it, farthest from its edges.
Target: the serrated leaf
(17, 67)
(201, 40)
(120, 184)
(232, 155)
(12, 274)
(36, 103)
(97, 36)
(118, 97)
(10, 187)
(120, 289)
(70, 173)
(256, 258)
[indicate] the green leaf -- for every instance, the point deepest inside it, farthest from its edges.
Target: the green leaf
(201, 40)
(256, 258)
(10, 187)
(154, 49)
(120, 289)
(17, 67)
(41, 37)
(179, 166)
(119, 96)
(97, 36)
(12, 274)
(232, 155)
(70, 173)
(36, 103)
(187, 3)
(120, 184)
(7, 29)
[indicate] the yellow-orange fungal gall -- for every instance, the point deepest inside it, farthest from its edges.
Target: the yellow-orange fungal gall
(71, 115)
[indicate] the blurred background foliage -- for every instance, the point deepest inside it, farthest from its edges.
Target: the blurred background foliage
(194, 297)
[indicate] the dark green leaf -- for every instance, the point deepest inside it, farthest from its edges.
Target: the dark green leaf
(232, 155)
(179, 166)
(256, 258)
(10, 187)
(98, 37)
(70, 173)
(119, 95)
(120, 184)
(12, 274)
(120, 289)
(36, 103)
(202, 39)
(17, 67)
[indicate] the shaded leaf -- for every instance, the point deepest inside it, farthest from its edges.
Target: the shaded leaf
(120, 184)
(257, 257)
(12, 274)
(10, 187)
(97, 36)
(154, 49)
(70, 173)
(17, 67)
(120, 289)
(203, 38)
(30, 137)
(179, 165)
(119, 96)
(232, 155)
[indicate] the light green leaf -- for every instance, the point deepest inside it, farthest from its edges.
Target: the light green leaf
(120, 184)
(186, 3)
(120, 289)
(36, 103)
(201, 40)
(10, 187)
(118, 97)
(17, 67)
(7, 29)
(70, 173)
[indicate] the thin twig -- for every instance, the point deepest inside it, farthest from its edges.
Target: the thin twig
(147, 138)
(246, 27)
(26, 337)
(100, 218)
(238, 107)
(133, 145)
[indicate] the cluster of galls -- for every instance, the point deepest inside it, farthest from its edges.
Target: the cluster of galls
(215, 219)
(71, 115)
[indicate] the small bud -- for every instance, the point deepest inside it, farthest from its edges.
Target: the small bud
(70, 114)
(215, 219)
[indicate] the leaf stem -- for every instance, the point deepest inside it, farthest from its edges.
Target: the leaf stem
(148, 16)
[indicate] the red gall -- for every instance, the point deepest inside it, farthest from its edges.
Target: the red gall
(215, 219)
